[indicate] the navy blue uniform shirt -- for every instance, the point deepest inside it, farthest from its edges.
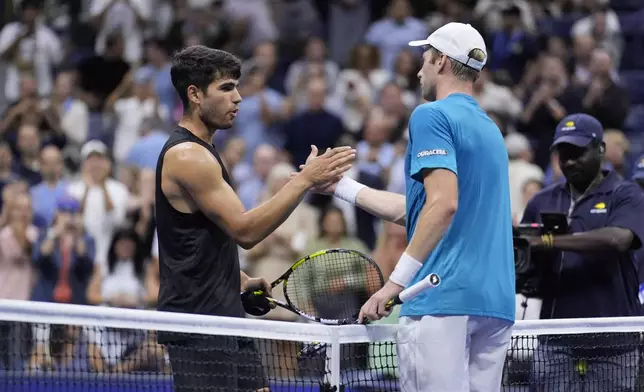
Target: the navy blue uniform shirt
(591, 284)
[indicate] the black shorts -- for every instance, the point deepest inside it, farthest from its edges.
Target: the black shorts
(216, 363)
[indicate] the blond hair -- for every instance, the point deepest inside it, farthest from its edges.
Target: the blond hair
(461, 71)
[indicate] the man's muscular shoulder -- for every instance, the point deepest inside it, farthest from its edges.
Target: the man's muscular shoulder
(187, 160)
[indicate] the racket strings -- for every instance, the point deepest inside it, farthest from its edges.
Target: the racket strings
(333, 285)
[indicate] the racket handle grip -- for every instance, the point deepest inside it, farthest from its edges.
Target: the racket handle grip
(431, 281)
(393, 302)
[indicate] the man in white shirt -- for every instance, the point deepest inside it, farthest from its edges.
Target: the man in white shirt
(128, 17)
(131, 111)
(103, 199)
(521, 171)
(29, 46)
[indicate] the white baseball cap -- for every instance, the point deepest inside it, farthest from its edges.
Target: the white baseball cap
(93, 147)
(456, 40)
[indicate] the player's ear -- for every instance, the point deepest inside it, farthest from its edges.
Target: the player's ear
(194, 94)
(441, 62)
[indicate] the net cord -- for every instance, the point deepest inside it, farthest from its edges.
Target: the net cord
(63, 314)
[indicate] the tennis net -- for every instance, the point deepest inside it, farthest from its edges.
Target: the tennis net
(51, 347)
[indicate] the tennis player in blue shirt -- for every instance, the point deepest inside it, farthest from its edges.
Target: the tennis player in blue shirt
(453, 338)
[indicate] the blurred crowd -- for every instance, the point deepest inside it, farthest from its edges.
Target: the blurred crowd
(88, 103)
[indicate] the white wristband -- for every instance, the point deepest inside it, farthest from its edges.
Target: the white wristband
(405, 270)
(348, 189)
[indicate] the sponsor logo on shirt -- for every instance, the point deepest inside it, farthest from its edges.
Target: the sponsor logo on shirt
(428, 153)
(599, 208)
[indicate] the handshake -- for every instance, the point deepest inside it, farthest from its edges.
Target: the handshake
(320, 173)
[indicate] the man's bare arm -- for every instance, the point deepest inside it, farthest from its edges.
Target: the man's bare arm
(441, 187)
(198, 172)
(385, 205)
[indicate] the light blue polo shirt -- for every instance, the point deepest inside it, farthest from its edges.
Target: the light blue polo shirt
(475, 257)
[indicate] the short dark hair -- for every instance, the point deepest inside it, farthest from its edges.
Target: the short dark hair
(199, 66)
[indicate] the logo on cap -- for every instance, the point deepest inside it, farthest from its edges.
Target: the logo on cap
(600, 208)
(569, 126)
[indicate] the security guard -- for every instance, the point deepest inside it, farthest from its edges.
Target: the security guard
(590, 271)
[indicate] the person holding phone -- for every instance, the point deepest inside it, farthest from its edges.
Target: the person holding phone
(589, 271)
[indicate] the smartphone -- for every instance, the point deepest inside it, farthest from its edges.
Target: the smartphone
(554, 222)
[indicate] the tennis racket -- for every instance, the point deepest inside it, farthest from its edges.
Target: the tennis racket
(328, 287)
(432, 280)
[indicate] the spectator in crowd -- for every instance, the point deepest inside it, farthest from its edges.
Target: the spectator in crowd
(126, 17)
(9, 193)
(392, 33)
(551, 101)
(393, 104)
(404, 75)
(17, 238)
(512, 47)
(583, 47)
(52, 187)
(251, 188)
(159, 64)
(16, 275)
(29, 110)
(495, 98)
(63, 257)
(271, 257)
(374, 154)
(314, 63)
(314, 126)
(261, 109)
(94, 70)
(122, 283)
(265, 56)
(347, 22)
(617, 147)
(251, 24)
(145, 152)
(30, 47)
(602, 24)
(522, 170)
(357, 85)
(232, 155)
(69, 110)
(99, 76)
(131, 111)
(591, 270)
(103, 199)
(603, 98)
(333, 233)
(28, 145)
(7, 175)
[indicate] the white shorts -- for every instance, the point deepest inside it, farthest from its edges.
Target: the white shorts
(452, 353)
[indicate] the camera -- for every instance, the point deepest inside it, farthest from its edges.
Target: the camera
(527, 273)
(521, 245)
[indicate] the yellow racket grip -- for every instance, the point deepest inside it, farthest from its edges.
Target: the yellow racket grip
(393, 302)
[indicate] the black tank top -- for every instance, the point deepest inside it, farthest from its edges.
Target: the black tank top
(198, 260)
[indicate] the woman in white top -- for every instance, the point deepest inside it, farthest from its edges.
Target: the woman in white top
(121, 283)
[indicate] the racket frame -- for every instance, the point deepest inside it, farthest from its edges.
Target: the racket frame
(283, 279)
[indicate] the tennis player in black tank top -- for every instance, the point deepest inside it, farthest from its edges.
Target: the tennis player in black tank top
(200, 222)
